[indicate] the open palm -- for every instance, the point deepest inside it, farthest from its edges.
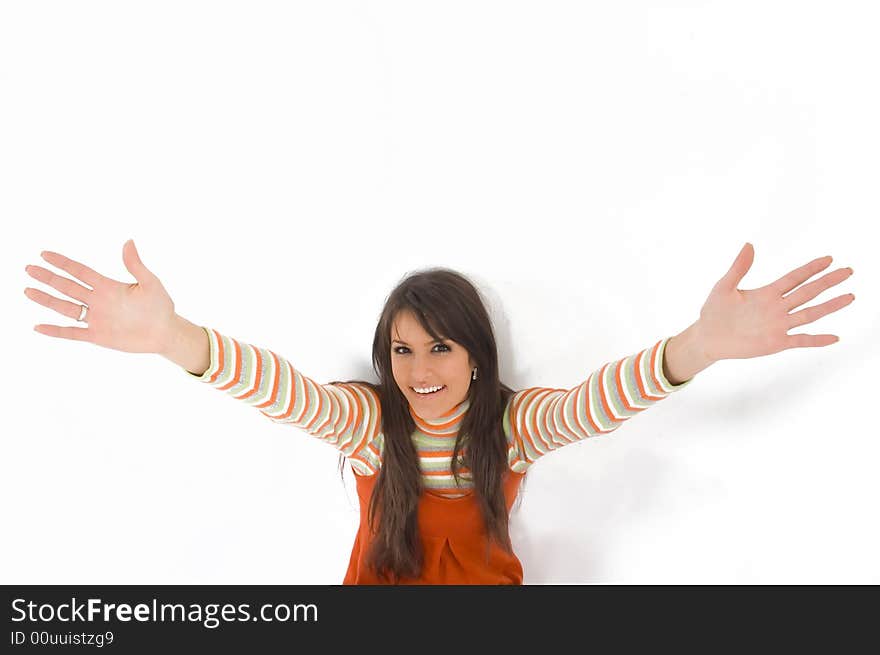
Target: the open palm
(737, 324)
(134, 318)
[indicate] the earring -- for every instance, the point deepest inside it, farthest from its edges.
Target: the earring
(474, 376)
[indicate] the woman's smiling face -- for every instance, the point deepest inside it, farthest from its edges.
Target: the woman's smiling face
(417, 360)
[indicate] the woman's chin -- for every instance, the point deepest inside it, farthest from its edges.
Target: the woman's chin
(431, 405)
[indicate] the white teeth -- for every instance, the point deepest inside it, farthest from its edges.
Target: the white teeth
(428, 389)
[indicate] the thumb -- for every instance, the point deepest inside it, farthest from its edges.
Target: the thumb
(740, 267)
(133, 262)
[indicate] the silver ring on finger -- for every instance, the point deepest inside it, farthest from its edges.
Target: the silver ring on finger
(82, 313)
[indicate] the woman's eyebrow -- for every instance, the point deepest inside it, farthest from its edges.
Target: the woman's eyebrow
(427, 344)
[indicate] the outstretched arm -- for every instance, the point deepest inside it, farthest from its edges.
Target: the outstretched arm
(539, 420)
(733, 324)
(140, 318)
(347, 416)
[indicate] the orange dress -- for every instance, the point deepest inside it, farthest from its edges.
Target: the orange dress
(453, 537)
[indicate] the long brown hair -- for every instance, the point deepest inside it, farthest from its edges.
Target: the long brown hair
(448, 304)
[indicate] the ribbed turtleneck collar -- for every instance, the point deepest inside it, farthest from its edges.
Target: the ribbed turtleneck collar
(444, 425)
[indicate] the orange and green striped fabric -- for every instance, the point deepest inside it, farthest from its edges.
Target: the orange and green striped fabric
(536, 421)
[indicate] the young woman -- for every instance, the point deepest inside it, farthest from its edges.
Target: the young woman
(439, 446)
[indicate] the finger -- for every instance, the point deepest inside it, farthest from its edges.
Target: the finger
(77, 270)
(809, 291)
(811, 314)
(811, 340)
(64, 285)
(739, 268)
(72, 333)
(63, 307)
(800, 275)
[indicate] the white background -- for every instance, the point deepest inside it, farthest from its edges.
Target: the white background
(593, 167)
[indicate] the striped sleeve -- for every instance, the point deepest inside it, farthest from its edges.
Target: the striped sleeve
(538, 420)
(346, 416)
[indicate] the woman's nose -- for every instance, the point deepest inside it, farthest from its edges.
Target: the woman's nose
(421, 369)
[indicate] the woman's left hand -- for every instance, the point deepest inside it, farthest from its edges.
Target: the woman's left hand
(736, 324)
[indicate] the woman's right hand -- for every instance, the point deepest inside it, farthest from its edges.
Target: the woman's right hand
(133, 318)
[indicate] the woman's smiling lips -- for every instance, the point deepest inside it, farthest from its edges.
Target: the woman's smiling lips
(429, 395)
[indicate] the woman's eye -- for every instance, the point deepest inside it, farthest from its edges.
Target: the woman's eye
(439, 345)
